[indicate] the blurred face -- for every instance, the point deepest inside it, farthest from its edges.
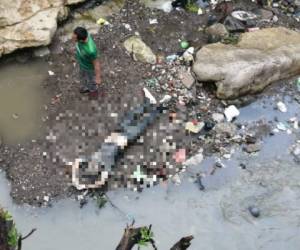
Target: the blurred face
(74, 38)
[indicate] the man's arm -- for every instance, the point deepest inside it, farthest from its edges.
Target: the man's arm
(97, 68)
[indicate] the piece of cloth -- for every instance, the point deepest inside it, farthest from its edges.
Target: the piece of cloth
(86, 53)
(87, 80)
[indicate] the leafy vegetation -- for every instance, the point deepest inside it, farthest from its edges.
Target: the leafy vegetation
(12, 234)
(146, 236)
(192, 6)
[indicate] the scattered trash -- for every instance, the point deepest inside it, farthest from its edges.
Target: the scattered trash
(149, 96)
(172, 58)
(188, 55)
(254, 211)
(200, 11)
(46, 198)
(298, 84)
(51, 73)
(234, 25)
(218, 117)
(180, 156)
(127, 26)
(153, 21)
(194, 127)
(281, 107)
(102, 21)
(225, 129)
(152, 82)
(209, 125)
(184, 44)
(243, 15)
(231, 112)
(55, 99)
(253, 29)
(176, 179)
(281, 126)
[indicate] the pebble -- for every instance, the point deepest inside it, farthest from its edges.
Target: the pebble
(281, 107)
(252, 148)
(254, 211)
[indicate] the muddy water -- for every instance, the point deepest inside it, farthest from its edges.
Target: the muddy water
(217, 217)
(21, 97)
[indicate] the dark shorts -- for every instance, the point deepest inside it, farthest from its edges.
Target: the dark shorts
(87, 80)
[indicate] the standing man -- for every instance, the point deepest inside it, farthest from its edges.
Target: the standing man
(89, 64)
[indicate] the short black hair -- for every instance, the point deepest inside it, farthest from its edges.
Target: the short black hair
(81, 33)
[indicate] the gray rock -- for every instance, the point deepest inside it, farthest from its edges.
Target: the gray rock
(187, 79)
(141, 52)
(225, 129)
(249, 66)
(252, 148)
(254, 211)
(217, 29)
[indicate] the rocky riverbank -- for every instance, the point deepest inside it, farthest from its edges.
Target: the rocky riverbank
(75, 125)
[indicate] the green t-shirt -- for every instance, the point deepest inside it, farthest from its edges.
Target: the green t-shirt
(86, 53)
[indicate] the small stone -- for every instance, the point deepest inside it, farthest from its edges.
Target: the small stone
(218, 117)
(254, 211)
(250, 139)
(281, 107)
(252, 148)
(243, 166)
(217, 29)
(187, 79)
(226, 129)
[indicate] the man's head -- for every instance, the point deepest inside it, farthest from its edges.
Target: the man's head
(80, 34)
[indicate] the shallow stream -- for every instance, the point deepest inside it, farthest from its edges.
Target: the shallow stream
(218, 217)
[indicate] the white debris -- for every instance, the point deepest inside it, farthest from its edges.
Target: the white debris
(281, 126)
(114, 115)
(127, 26)
(46, 198)
(188, 55)
(231, 112)
(149, 96)
(153, 21)
(51, 73)
(281, 106)
(176, 179)
(218, 117)
(194, 127)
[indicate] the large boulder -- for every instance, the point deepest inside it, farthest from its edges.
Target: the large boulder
(29, 23)
(258, 59)
(140, 51)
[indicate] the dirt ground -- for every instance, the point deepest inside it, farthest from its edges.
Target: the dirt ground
(77, 125)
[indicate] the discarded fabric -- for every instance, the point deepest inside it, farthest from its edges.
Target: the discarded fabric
(231, 112)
